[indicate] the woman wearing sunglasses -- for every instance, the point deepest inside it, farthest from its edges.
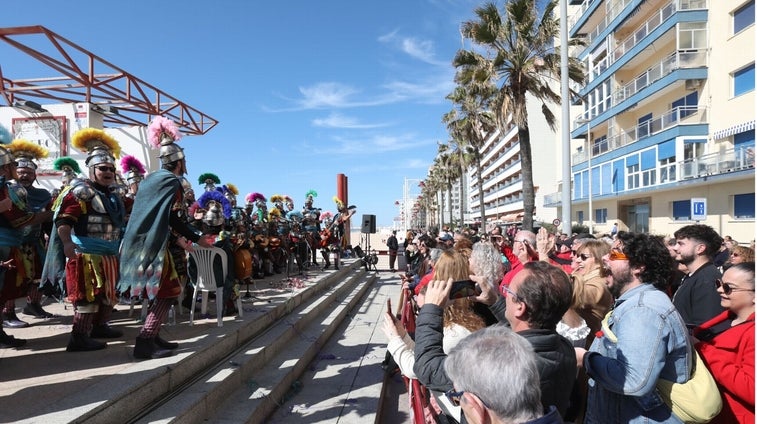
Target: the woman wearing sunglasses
(591, 297)
(729, 354)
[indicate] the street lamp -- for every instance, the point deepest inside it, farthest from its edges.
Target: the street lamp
(587, 121)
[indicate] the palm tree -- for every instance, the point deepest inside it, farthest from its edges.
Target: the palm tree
(522, 57)
(449, 162)
(472, 121)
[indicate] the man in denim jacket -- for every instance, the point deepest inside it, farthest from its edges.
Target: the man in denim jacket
(643, 339)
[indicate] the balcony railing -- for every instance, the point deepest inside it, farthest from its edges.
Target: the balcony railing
(683, 115)
(730, 160)
(635, 38)
(615, 8)
(672, 63)
(678, 60)
(718, 163)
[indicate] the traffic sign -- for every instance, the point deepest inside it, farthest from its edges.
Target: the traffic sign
(698, 208)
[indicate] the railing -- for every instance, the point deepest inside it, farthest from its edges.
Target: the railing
(629, 42)
(614, 10)
(672, 63)
(731, 160)
(677, 60)
(683, 115)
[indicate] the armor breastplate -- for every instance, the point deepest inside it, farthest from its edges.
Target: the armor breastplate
(99, 225)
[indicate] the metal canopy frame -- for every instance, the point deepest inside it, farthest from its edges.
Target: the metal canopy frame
(85, 77)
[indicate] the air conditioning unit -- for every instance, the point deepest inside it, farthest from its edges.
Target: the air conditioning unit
(694, 84)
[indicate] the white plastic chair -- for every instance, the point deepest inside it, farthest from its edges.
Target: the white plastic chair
(206, 281)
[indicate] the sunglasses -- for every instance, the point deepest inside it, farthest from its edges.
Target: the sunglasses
(617, 255)
(583, 256)
(106, 169)
(728, 288)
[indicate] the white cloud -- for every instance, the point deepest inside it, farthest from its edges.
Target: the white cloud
(372, 144)
(336, 120)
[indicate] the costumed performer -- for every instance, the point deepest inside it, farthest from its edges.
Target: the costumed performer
(155, 240)
(88, 223)
(33, 243)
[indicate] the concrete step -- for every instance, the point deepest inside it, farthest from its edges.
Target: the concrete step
(110, 386)
(283, 346)
(344, 382)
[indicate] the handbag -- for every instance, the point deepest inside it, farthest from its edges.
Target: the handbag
(698, 400)
(695, 401)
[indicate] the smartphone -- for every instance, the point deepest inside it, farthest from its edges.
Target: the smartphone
(462, 289)
(390, 311)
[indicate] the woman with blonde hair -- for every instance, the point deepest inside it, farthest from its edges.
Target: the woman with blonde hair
(740, 254)
(591, 297)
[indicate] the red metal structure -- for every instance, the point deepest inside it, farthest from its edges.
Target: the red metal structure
(82, 76)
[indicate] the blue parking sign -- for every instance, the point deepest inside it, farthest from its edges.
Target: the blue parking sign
(698, 209)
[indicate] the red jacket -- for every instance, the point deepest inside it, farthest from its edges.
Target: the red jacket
(730, 358)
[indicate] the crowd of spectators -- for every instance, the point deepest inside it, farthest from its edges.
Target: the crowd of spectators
(603, 318)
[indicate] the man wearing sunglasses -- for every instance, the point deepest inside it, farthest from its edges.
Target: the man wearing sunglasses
(697, 299)
(88, 224)
(642, 339)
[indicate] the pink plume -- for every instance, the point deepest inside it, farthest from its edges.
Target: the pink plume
(128, 162)
(160, 125)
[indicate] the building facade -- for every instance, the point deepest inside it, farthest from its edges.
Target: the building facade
(668, 116)
(501, 171)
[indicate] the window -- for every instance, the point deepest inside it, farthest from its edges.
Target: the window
(668, 170)
(743, 206)
(600, 216)
(633, 176)
(684, 106)
(580, 217)
(743, 17)
(599, 145)
(644, 127)
(743, 80)
(682, 210)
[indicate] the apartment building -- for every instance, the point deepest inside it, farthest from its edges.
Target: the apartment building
(501, 171)
(668, 116)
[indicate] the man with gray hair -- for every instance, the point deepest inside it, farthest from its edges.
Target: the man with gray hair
(496, 379)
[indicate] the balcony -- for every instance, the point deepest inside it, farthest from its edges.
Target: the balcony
(653, 22)
(672, 63)
(731, 160)
(684, 115)
(705, 166)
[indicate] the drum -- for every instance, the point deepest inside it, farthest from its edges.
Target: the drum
(242, 263)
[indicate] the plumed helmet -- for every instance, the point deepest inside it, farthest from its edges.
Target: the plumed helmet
(310, 195)
(210, 180)
(69, 167)
(99, 146)
(132, 169)
(26, 152)
(217, 208)
(163, 134)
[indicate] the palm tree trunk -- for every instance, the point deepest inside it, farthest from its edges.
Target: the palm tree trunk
(449, 202)
(527, 169)
(480, 192)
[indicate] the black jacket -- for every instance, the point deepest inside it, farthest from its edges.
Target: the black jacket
(556, 358)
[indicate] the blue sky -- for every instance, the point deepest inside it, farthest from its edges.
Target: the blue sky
(302, 90)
